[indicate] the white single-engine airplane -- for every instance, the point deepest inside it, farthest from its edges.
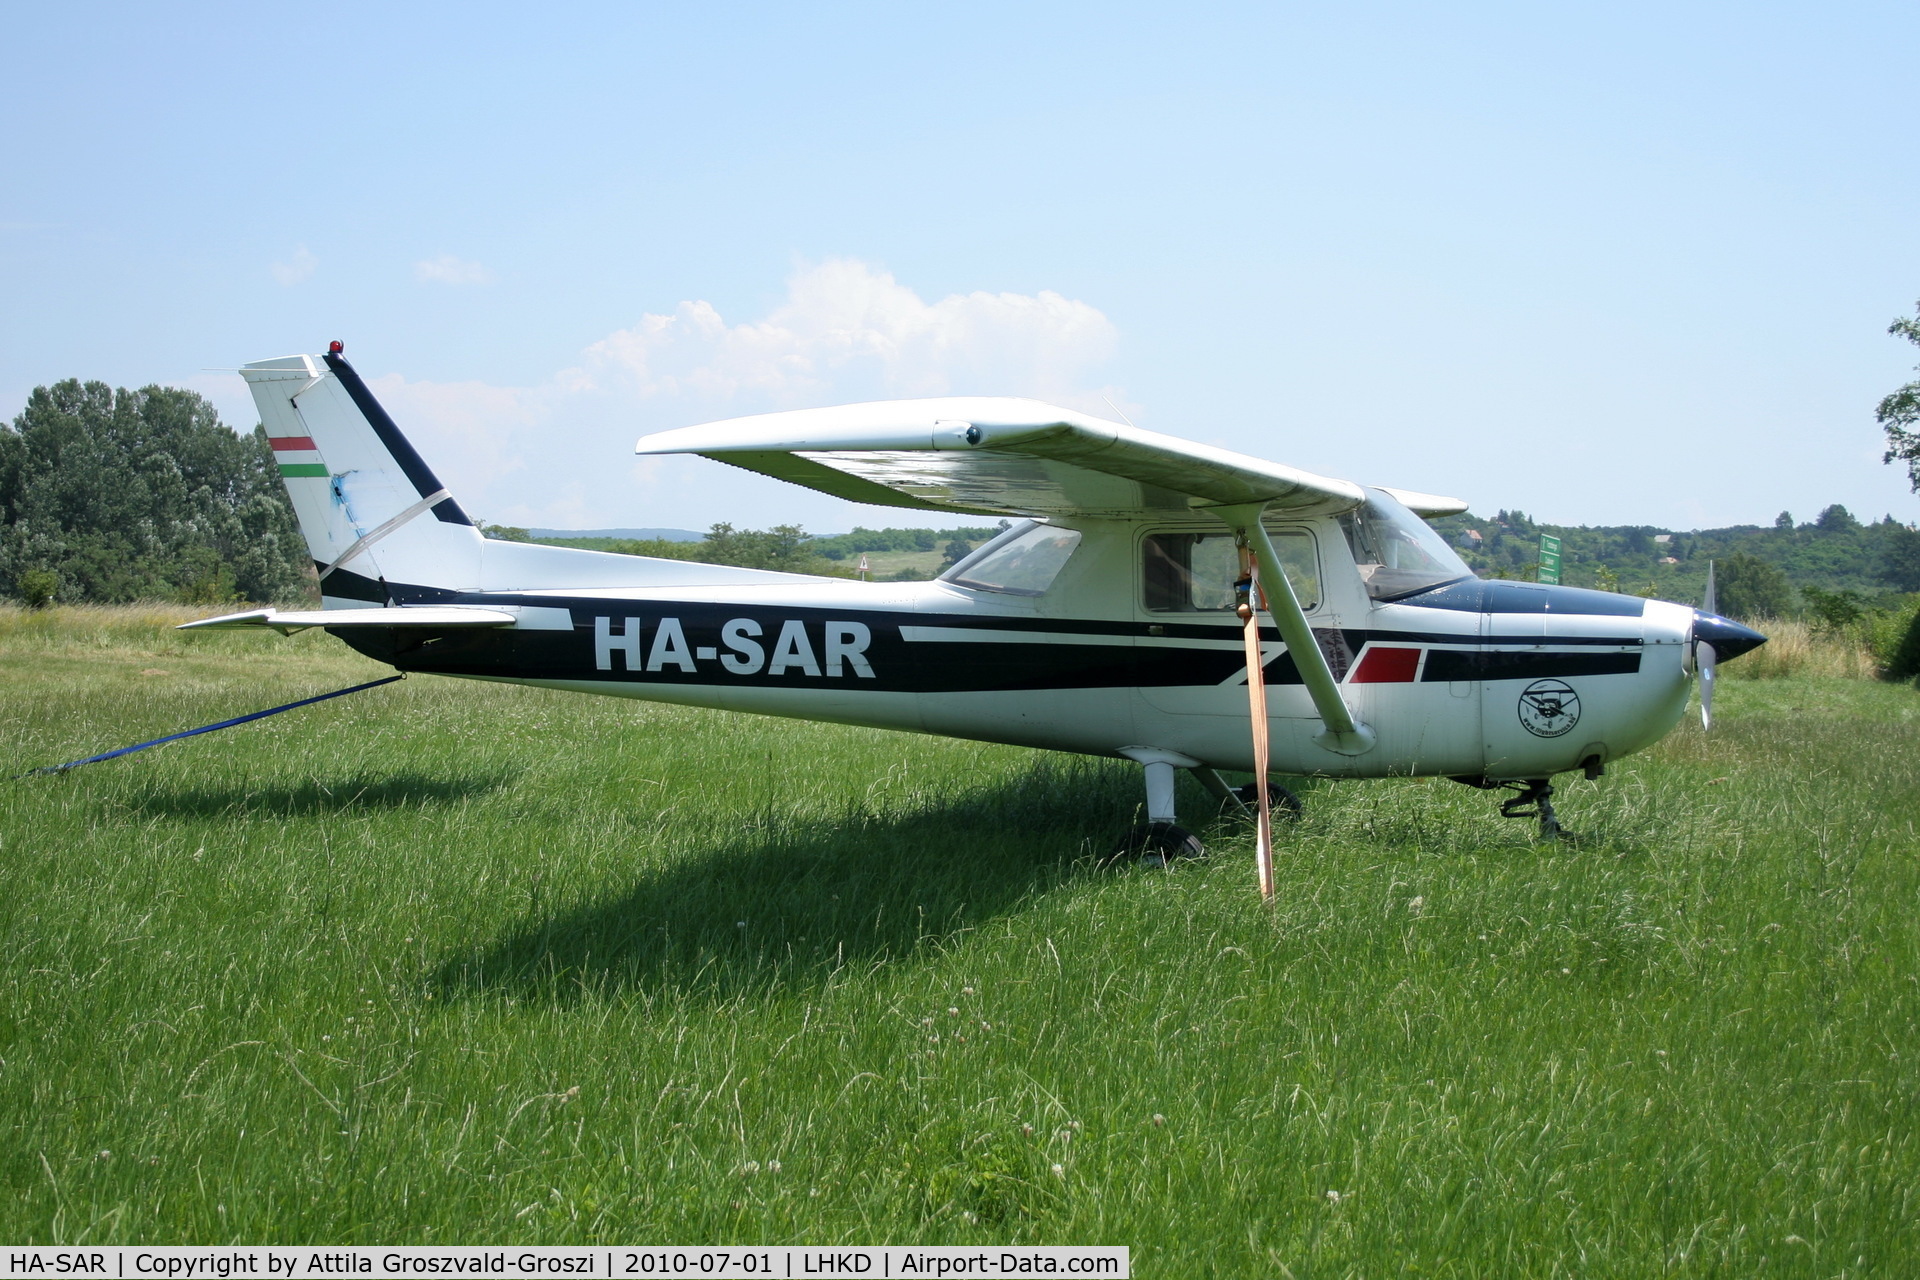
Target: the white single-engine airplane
(1104, 622)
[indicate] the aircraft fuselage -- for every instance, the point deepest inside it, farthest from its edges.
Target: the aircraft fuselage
(1473, 678)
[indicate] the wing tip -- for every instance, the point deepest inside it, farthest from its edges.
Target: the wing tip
(1425, 505)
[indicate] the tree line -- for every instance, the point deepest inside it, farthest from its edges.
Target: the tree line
(109, 495)
(787, 548)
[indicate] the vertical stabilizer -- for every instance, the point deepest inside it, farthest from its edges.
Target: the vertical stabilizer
(374, 515)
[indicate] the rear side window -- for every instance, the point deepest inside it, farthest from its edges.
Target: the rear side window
(1023, 561)
(1195, 572)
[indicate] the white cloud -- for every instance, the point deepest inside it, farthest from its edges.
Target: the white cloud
(560, 453)
(296, 269)
(849, 330)
(447, 269)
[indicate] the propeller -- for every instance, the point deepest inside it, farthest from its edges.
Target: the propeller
(1248, 589)
(1716, 639)
(1704, 658)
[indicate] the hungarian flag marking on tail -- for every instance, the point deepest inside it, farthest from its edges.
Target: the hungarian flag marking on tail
(297, 456)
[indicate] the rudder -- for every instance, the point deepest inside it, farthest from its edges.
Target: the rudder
(372, 511)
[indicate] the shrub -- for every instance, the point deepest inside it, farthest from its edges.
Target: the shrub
(1896, 643)
(38, 587)
(1833, 611)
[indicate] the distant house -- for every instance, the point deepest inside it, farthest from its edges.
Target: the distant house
(1663, 537)
(1668, 560)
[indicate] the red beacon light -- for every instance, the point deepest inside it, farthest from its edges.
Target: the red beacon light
(335, 347)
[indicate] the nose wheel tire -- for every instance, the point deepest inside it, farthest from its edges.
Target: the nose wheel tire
(1155, 844)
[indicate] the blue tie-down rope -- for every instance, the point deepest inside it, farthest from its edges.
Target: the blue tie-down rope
(207, 728)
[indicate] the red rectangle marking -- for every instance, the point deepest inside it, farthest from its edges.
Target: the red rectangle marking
(290, 444)
(1386, 665)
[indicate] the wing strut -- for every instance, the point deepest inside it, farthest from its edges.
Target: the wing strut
(1345, 734)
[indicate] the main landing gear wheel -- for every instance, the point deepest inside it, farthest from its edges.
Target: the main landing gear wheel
(1155, 844)
(1284, 804)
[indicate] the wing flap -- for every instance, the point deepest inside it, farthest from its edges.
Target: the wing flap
(813, 473)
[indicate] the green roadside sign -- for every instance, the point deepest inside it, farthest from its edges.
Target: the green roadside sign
(1549, 559)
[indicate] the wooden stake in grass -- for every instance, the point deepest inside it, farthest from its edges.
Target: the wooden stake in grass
(1257, 704)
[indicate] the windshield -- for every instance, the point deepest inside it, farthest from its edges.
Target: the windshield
(1023, 561)
(1396, 551)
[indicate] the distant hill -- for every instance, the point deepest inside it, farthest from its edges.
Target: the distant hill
(1833, 552)
(636, 535)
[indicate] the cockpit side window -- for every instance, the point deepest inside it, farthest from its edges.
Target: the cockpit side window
(1195, 572)
(1396, 551)
(1023, 561)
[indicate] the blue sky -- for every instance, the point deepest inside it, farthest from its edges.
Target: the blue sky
(1606, 264)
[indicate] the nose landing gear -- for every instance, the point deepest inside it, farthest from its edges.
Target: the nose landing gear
(1535, 792)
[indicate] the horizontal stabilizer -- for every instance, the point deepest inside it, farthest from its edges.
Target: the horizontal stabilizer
(438, 617)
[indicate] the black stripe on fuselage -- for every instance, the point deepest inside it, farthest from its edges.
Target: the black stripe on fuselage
(1457, 664)
(1052, 659)
(344, 584)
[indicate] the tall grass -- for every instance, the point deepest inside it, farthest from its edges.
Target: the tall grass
(1798, 649)
(457, 962)
(94, 623)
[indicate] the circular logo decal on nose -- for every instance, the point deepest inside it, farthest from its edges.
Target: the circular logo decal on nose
(1548, 708)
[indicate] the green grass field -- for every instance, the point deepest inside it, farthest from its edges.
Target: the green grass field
(449, 962)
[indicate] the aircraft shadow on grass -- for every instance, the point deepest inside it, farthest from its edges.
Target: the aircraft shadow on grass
(785, 903)
(317, 796)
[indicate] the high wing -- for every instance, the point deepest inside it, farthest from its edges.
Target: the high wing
(992, 455)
